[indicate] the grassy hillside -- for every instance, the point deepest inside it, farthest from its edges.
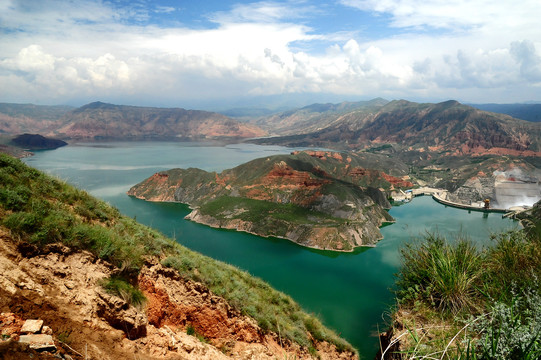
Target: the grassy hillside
(458, 302)
(40, 210)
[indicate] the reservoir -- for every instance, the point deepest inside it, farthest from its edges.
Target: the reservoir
(350, 292)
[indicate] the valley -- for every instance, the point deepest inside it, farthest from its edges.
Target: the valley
(313, 193)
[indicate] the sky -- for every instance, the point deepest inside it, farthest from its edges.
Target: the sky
(207, 53)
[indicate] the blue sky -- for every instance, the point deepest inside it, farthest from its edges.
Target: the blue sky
(200, 53)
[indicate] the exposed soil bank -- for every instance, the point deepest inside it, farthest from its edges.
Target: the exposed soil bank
(61, 287)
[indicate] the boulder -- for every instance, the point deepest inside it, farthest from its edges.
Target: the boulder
(32, 326)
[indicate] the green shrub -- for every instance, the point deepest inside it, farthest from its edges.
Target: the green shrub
(12, 199)
(22, 223)
(513, 262)
(500, 298)
(55, 227)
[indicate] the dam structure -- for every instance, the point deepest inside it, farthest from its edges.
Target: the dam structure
(508, 196)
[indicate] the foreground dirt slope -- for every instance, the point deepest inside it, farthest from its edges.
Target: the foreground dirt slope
(60, 286)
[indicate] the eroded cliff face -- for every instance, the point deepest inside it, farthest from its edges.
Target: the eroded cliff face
(61, 287)
(316, 199)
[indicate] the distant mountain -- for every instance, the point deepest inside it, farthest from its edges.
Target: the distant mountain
(28, 118)
(316, 116)
(107, 121)
(100, 120)
(528, 112)
(448, 127)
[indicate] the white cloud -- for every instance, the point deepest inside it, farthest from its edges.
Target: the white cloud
(530, 63)
(88, 49)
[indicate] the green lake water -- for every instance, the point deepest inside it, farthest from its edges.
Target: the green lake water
(349, 291)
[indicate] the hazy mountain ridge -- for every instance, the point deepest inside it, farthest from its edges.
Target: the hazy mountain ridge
(528, 112)
(29, 118)
(446, 127)
(100, 120)
(315, 116)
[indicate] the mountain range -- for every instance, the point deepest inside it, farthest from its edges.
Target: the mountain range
(529, 112)
(448, 127)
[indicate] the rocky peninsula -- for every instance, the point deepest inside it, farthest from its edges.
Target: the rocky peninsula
(318, 199)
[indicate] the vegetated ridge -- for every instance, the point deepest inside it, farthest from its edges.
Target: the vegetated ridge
(319, 199)
(449, 128)
(110, 288)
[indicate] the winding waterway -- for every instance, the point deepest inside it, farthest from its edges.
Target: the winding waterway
(349, 291)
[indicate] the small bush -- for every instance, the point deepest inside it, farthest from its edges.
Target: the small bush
(505, 320)
(55, 227)
(513, 262)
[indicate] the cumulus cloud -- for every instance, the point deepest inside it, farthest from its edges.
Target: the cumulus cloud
(89, 49)
(525, 54)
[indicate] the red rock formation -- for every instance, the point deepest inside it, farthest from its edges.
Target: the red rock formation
(180, 303)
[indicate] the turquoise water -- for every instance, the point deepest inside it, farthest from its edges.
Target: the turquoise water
(349, 291)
